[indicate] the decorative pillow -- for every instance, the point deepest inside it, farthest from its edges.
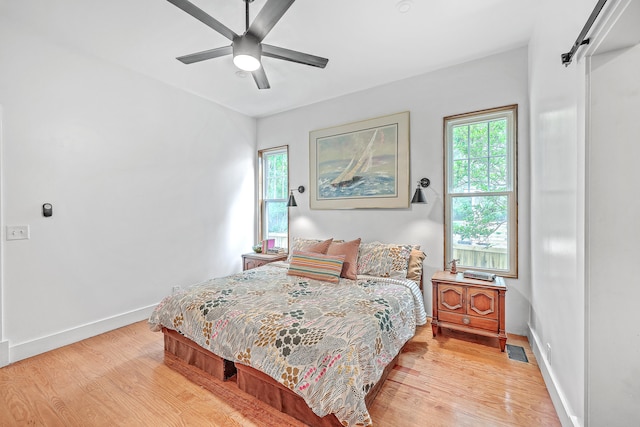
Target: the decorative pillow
(416, 258)
(372, 259)
(384, 260)
(309, 245)
(350, 252)
(399, 259)
(316, 266)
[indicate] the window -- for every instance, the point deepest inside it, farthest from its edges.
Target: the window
(273, 222)
(480, 190)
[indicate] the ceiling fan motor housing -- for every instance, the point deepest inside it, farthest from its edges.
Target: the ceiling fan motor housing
(246, 47)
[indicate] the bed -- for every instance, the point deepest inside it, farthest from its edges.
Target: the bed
(315, 348)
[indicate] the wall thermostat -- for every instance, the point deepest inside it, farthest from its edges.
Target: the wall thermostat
(47, 209)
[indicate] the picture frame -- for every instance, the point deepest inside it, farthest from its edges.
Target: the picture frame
(361, 165)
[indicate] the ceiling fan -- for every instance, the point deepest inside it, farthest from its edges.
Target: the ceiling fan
(247, 49)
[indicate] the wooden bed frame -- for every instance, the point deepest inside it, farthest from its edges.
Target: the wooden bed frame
(192, 354)
(180, 352)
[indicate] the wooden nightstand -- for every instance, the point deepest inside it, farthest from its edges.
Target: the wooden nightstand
(469, 305)
(253, 260)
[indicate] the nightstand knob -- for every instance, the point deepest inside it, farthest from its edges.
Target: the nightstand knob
(465, 320)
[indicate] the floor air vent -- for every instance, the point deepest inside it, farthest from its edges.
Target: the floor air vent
(516, 352)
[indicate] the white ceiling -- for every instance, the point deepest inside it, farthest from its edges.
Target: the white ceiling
(368, 42)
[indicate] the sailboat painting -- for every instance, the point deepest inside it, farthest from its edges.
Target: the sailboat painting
(361, 165)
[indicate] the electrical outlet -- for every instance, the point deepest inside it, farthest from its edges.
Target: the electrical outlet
(548, 353)
(175, 289)
(17, 232)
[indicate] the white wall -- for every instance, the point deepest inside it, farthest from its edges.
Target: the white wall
(149, 189)
(613, 209)
(557, 205)
(490, 82)
(4, 343)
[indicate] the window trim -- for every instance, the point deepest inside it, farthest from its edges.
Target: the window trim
(261, 205)
(512, 175)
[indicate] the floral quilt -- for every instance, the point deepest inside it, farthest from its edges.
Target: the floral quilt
(327, 342)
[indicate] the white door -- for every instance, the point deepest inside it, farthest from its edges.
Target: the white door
(613, 225)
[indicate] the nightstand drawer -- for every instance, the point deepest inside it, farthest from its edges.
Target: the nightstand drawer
(252, 263)
(451, 298)
(470, 321)
(473, 301)
(253, 260)
(482, 302)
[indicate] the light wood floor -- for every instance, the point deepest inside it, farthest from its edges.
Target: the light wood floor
(119, 379)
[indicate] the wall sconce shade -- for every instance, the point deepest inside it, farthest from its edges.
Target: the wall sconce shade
(418, 196)
(292, 200)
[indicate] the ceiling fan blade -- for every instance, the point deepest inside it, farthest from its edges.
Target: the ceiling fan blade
(260, 78)
(204, 17)
(268, 16)
(205, 54)
(293, 56)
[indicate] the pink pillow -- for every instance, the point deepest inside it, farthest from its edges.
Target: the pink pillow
(308, 245)
(350, 252)
(320, 247)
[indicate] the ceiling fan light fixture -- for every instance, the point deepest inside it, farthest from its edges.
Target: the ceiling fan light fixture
(246, 62)
(247, 48)
(246, 53)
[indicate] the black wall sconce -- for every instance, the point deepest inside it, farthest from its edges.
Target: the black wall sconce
(292, 200)
(419, 197)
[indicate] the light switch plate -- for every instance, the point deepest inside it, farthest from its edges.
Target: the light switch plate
(17, 232)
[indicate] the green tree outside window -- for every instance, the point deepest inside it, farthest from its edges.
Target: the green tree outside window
(480, 196)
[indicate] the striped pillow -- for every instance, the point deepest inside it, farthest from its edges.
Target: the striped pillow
(316, 266)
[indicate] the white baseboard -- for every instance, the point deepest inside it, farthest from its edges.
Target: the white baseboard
(4, 353)
(60, 339)
(557, 396)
